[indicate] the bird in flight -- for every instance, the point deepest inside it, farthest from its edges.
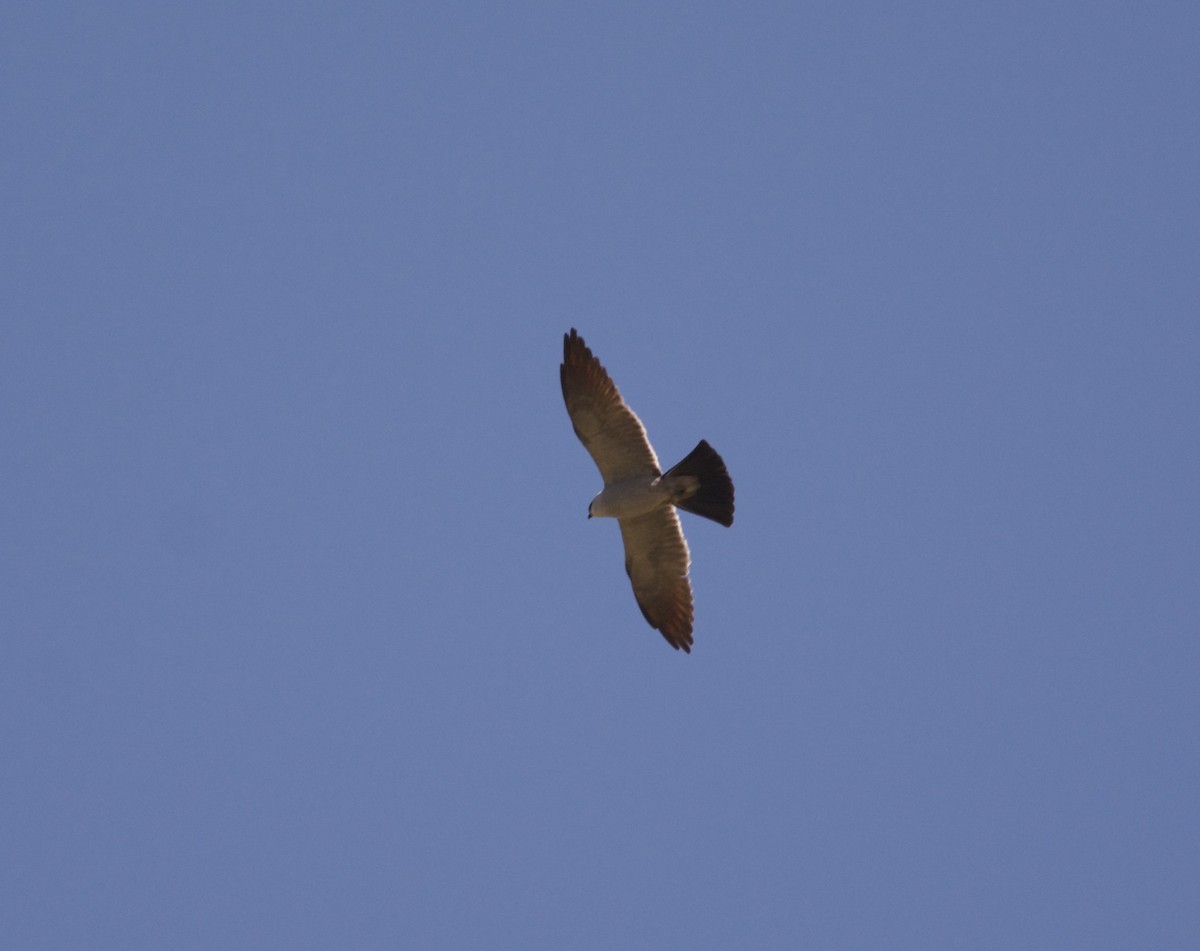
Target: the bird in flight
(640, 495)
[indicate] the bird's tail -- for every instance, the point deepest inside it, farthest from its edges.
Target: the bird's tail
(703, 484)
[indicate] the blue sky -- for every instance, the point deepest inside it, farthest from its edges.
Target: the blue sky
(307, 641)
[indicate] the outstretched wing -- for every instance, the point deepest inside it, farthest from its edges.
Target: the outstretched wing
(608, 429)
(656, 560)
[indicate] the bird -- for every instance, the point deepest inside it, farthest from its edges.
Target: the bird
(640, 495)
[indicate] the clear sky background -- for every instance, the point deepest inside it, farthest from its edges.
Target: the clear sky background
(306, 640)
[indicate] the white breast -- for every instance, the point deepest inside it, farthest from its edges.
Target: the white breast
(629, 498)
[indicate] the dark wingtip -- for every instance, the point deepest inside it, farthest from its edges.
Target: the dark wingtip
(683, 643)
(575, 351)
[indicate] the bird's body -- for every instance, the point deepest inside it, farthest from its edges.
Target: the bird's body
(629, 498)
(639, 495)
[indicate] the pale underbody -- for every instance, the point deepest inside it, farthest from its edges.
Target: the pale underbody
(633, 497)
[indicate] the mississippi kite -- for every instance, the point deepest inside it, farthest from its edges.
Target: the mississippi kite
(640, 495)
